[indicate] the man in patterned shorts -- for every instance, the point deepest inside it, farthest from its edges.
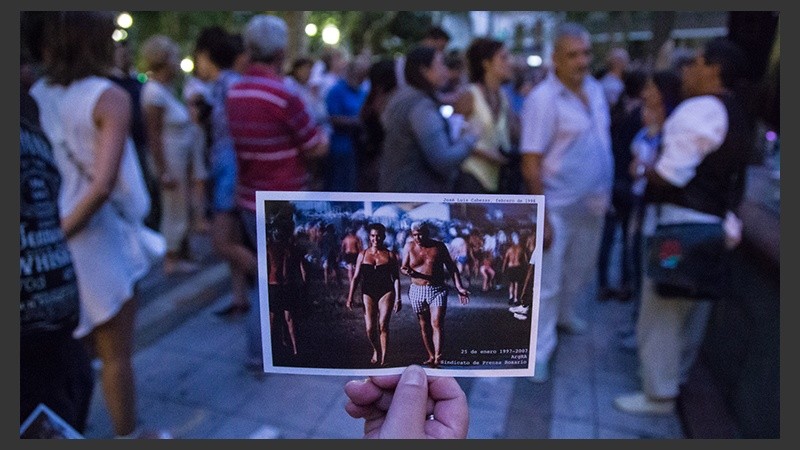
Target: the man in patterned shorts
(427, 261)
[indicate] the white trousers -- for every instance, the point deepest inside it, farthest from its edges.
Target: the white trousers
(186, 164)
(569, 268)
(669, 333)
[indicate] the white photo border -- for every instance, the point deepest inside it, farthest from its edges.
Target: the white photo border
(262, 197)
(42, 413)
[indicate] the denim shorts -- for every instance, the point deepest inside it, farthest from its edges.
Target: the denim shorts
(223, 178)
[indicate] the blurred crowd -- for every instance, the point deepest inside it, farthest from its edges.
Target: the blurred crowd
(604, 148)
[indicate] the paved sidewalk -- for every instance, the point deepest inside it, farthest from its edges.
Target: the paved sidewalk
(191, 380)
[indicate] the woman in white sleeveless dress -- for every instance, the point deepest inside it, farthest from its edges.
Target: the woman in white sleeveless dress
(87, 119)
(173, 140)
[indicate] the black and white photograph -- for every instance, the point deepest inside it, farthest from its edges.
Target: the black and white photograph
(369, 283)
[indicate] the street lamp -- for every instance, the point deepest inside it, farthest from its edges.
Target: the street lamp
(119, 35)
(330, 34)
(124, 20)
(187, 65)
(311, 30)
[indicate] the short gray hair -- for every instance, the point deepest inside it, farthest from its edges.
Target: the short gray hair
(421, 226)
(265, 36)
(571, 29)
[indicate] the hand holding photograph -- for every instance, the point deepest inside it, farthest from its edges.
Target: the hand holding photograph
(363, 284)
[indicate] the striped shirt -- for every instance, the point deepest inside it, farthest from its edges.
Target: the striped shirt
(270, 129)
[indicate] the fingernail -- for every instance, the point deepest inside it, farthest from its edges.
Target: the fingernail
(414, 376)
(362, 381)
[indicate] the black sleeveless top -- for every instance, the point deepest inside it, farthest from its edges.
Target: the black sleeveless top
(377, 279)
(718, 184)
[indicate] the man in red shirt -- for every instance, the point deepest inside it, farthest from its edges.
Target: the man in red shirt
(274, 137)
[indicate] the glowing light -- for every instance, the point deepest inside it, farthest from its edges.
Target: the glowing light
(311, 29)
(124, 20)
(187, 65)
(446, 111)
(771, 136)
(330, 34)
(534, 61)
(119, 35)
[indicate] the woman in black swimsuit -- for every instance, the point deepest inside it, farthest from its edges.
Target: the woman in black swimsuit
(379, 272)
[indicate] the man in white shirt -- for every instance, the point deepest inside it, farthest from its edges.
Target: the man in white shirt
(566, 155)
(697, 178)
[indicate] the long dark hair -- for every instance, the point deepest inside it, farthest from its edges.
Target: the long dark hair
(480, 50)
(416, 59)
(223, 48)
(668, 84)
(72, 44)
(382, 75)
(382, 79)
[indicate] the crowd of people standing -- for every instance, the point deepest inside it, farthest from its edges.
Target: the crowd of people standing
(604, 151)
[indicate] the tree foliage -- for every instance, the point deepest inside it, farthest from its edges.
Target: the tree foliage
(380, 32)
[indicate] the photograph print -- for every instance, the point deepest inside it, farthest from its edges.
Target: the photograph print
(44, 423)
(369, 283)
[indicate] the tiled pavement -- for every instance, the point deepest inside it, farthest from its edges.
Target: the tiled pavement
(191, 380)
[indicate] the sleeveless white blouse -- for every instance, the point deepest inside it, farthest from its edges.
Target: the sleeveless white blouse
(107, 258)
(495, 136)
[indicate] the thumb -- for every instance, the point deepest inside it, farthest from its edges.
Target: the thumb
(406, 416)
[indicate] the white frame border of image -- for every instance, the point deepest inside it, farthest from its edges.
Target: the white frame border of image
(55, 420)
(448, 198)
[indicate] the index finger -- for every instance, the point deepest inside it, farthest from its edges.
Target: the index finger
(385, 381)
